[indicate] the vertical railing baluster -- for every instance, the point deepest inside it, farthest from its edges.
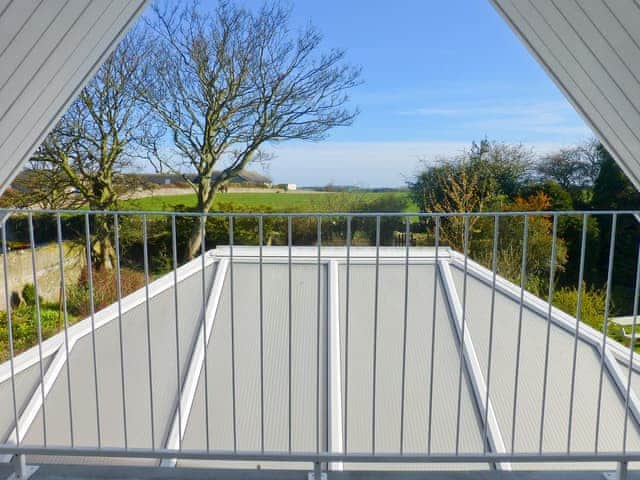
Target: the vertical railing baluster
(375, 338)
(605, 325)
(404, 330)
(261, 309)
(290, 332)
(32, 244)
(65, 316)
(7, 299)
(318, 321)
(523, 286)
(462, 330)
(492, 314)
(583, 246)
(92, 313)
(632, 345)
(552, 271)
(174, 251)
(436, 277)
(116, 222)
(145, 253)
(233, 343)
(346, 338)
(203, 251)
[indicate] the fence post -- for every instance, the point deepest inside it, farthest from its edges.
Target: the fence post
(21, 471)
(317, 472)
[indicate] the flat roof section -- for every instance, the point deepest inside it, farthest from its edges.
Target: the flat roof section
(26, 381)
(531, 377)
(391, 422)
(246, 320)
(355, 374)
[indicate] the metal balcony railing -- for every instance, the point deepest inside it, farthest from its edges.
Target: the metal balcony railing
(333, 341)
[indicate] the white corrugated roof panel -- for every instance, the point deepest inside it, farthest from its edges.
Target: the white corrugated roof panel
(531, 377)
(340, 388)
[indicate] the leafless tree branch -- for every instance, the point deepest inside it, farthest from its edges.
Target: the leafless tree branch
(229, 81)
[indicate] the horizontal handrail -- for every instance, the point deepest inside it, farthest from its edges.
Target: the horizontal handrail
(537, 213)
(312, 457)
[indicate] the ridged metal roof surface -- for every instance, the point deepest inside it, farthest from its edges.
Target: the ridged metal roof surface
(531, 378)
(363, 352)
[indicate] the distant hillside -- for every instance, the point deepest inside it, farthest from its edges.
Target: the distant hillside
(352, 188)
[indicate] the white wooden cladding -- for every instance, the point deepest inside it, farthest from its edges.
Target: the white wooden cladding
(591, 49)
(48, 50)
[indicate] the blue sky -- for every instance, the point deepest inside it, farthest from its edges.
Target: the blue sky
(437, 75)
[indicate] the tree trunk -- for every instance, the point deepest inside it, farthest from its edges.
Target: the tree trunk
(195, 240)
(105, 253)
(205, 195)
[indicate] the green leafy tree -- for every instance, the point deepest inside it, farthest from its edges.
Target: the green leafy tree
(481, 178)
(511, 244)
(612, 190)
(559, 198)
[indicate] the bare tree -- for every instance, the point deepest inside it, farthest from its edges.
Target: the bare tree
(231, 80)
(576, 166)
(39, 186)
(102, 135)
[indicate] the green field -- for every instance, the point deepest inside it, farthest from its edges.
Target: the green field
(277, 202)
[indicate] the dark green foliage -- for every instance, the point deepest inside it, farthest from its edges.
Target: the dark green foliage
(474, 181)
(570, 230)
(575, 169)
(493, 176)
(45, 228)
(613, 191)
(304, 229)
(29, 294)
(559, 198)
(583, 178)
(484, 178)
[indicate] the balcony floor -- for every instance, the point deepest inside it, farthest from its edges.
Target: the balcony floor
(84, 472)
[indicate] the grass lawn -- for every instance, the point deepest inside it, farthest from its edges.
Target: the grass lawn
(278, 202)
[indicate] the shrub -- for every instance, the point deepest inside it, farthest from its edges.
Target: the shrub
(593, 302)
(511, 244)
(29, 294)
(363, 229)
(592, 311)
(24, 317)
(25, 328)
(105, 290)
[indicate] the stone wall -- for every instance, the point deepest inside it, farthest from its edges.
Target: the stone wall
(20, 271)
